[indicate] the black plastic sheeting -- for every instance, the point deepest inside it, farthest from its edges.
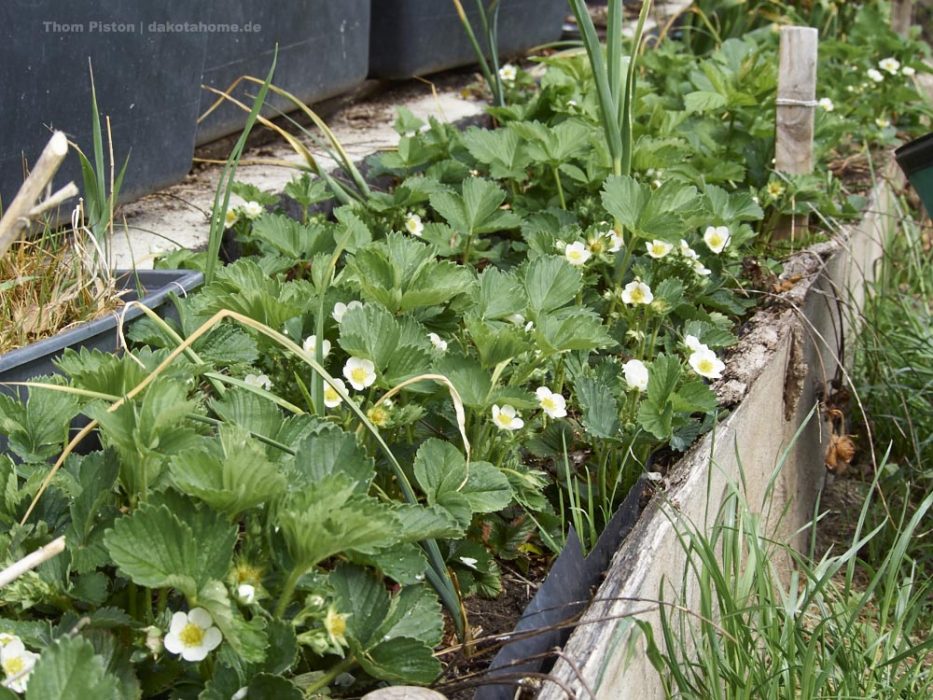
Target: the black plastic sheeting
(563, 596)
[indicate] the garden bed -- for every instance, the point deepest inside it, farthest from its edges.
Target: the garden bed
(782, 374)
(524, 318)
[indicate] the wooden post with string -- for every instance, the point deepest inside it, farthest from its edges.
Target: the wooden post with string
(796, 102)
(901, 16)
(23, 208)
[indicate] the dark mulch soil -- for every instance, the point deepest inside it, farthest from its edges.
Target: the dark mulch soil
(487, 619)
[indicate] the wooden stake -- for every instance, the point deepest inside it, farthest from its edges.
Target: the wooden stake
(902, 16)
(16, 217)
(796, 101)
(31, 561)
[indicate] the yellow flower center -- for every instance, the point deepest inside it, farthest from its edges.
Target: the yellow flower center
(336, 624)
(359, 375)
(379, 416)
(330, 394)
(246, 573)
(705, 366)
(504, 420)
(548, 404)
(14, 666)
(575, 255)
(775, 189)
(191, 635)
(638, 295)
(715, 240)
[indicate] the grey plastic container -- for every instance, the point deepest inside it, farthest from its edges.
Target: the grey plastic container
(151, 287)
(323, 51)
(416, 37)
(146, 74)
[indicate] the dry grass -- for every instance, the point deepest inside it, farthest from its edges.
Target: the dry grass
(50, 284)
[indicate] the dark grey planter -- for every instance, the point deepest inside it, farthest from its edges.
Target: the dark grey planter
(151, 287)
(323, 51)
(146, 78)
(415, 37)
(916, 160)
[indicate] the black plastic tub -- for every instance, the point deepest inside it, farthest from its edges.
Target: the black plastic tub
(916, 160)
(147, 60)
(415, 37)
(151, 287)
(323, 51)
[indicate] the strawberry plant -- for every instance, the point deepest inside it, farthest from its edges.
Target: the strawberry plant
(345, 429)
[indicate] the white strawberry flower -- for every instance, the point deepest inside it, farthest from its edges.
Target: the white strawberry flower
(252, 210)
(701, 269)
(17, 662)
(693, 344)
(359, 372)
(615, 241)
(717, 238)
(231, 217)
(636, 375)
(439, 343)
(658, 249)
(331, 397)
(826, 104)
(508, 73)
(340, 309)
(555, 405)
(260, 381)
(637, 292)
(882, 122)
(577, 253)
(310, 346)
(874, 75)
(705, 363)
(413, 224)
(506, 417)
(153, 641)
(889, 65)
(687, 251)
(246, 593)
(192, 635)
(516, 319)
(909, 71)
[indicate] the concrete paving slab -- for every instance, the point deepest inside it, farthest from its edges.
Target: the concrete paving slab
(178, 217)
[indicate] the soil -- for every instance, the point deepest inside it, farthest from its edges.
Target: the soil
(841, 501)
(488, 619)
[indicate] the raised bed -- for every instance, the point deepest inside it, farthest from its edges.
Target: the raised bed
(416, 37)
(143, 75)
(779, 373)
(323, 51)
